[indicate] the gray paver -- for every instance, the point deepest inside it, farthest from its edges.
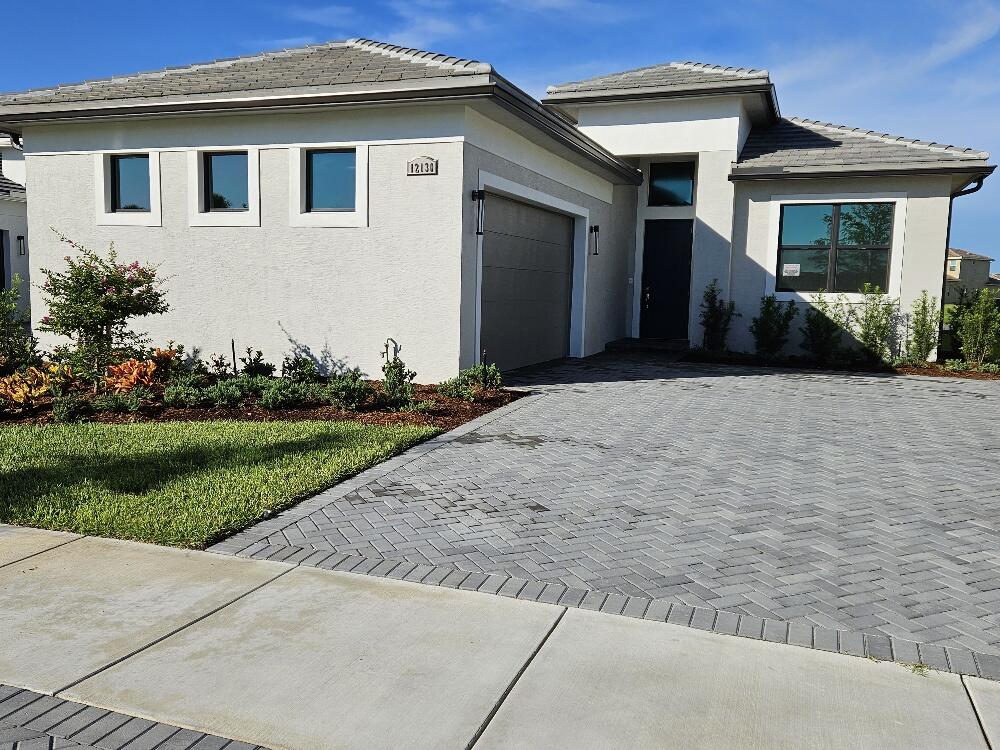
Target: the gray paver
(670, 482)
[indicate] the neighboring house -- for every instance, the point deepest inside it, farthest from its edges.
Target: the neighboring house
(343, 193)
(968, 271)
(13, 216)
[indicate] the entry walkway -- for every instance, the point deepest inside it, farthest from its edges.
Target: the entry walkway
(235, 653)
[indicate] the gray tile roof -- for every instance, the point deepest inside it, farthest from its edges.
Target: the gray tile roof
(675, 76)
(798, 144)
(955, 252)
(9, 187)
(354, 61)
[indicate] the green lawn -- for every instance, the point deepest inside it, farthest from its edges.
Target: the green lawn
(184, 484)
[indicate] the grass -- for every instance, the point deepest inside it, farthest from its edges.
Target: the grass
(184, 484)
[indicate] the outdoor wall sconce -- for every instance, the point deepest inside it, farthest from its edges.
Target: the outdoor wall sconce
(20, 245)
(596, 232)
(480, 197)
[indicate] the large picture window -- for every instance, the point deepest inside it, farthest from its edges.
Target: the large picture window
(671, 183)
(836, 247)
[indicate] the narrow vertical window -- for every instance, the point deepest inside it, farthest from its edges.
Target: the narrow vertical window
(331, 178)
(227, 186)
(130, 182)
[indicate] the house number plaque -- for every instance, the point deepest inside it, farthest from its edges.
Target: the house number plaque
(421, 166)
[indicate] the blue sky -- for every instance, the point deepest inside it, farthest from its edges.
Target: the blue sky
(920, 68)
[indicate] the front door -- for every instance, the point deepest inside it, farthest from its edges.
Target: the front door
(666, 279)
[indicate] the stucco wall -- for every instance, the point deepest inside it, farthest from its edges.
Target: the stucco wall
(607, 274)
(13, 164)
(345, 289)
(13, 220)
(919, 250)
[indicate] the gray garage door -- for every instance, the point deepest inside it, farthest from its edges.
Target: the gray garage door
(527, 283)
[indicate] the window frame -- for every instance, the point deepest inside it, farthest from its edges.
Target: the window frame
(309, 207)
(693, 163)
(104, 212)
(197, 215)
(114, 161)
(206, 183)
(833, 252)
(769, 211)
(298, 216)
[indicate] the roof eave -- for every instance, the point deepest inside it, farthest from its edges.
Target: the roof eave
(570, 98)
(973, 170)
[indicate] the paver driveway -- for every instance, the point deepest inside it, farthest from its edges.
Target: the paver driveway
(852, 502)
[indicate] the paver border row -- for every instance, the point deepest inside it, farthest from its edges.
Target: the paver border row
(27, 717)
(848, 642)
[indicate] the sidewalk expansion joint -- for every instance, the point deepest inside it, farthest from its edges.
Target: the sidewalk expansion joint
(42, 552)
(975, 712)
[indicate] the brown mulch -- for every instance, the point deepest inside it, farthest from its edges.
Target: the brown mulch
(446, 414)
(941, 372)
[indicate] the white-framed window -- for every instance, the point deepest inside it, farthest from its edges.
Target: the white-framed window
(224, 187)
(953, 265)
(328, 185)
(875, 256)
(127, 188)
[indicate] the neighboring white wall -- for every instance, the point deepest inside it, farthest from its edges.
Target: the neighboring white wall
(345, 288)
(13, 163)
(607, 274)
(917, 261)
(14, 221)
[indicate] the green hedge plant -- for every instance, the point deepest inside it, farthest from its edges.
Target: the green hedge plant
(823, 329)
(925, 324)
(874, 324)
(472, 382)
(979, 328)
(716, 318)
(18, 348)
(770, 327)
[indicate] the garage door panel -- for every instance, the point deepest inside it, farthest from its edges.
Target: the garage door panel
(521, 252)
(521, 220)
(526, 284)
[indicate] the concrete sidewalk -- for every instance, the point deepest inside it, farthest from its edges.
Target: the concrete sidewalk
(275, 655)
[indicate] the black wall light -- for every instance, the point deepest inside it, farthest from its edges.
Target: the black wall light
(480, 197)
(20, 245)
(596, 245)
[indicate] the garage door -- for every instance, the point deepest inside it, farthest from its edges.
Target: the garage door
(527, 283)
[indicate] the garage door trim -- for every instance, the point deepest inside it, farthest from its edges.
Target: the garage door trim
(494, 184)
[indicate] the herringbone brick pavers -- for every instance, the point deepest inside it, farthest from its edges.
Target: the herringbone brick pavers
(848, 502)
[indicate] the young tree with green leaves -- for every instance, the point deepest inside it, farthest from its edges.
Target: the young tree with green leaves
(925, 324)
(770, 327)
(979, 328)
(17, 345)
(716, 318)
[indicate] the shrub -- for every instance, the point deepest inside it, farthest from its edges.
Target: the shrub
(287, 394)
(129, 374)
(301, 369)
(979, 328)
(91, 303)
(23, 389)
(18, 347)
(397, 384)
(220, 367)
(874, 323)
(716, 318)
(823, 330)
(224, 394)
(255, 366)
(185, 394)
(349, 390)
(770, 327)
(122, 402)
(956, 365)
(472, 382)
(991, 367)
(925, 324)
(70, 408)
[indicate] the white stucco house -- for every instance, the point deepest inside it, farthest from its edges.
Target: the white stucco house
(342, 193)
(13, 216)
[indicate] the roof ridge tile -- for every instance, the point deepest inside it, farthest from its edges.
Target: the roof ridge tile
(419, 55)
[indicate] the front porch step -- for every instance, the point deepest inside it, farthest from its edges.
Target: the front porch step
(648, 345)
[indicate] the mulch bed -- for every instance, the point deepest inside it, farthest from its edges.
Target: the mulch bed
(447, 413)
(936, 371)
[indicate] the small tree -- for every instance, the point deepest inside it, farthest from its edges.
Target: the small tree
(770, 327)
(925, 322)
(874, 322)
(17, 345)
(716, 318)
(825, 323)
(91, 303)
(979, 328)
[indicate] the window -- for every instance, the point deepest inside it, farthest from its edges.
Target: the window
(227, 186)
(330, 180)
(836, 247)
(130, 182)
(671, 183)
(952, 265)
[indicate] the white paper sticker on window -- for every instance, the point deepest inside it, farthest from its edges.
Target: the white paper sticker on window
(791, 269)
